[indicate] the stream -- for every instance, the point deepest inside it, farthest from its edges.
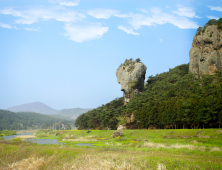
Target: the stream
(42, 141)
(38, 141)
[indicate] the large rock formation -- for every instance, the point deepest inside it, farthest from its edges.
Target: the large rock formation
(206, 51)
(131, 76)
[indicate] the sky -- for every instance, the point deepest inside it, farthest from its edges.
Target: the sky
(65, 53)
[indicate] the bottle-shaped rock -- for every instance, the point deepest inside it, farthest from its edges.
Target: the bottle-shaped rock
(131, 76)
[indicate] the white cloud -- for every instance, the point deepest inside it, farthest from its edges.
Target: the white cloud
(212, 17)
(167, 7)
(156, 10)
(83, 31)
(186, 12)
(161, 40)
(65, 2)
(32, 29)
(142, 10)
(105, 13)
(128, 30)
(158, 17)
(30, 16)
(3, 25)
(215, 8)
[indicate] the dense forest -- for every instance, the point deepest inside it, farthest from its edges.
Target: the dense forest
(173, 99)
(30, 120)
(105, 116)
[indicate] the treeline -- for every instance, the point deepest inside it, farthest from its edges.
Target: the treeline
(29, 120)
(103, 117)
(173, 99)
(217, 22)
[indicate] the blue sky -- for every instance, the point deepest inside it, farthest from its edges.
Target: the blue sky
(65, 53)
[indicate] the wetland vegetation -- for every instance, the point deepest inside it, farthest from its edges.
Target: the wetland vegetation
(136, 149)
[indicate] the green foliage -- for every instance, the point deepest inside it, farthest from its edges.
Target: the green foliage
(103, 117)
(7, 133)
(26, 120)
(138, 60)
(132, 83)
(199, 29)
(209, 23)
(130, 64)
(173, 99)
(177, 99)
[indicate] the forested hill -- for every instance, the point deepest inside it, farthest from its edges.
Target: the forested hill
(39, 107)
(26, 120)
(173, 99)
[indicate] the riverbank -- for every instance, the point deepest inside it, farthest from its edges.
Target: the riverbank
(7, 133)
(25, 136)
(27, 131)
(136, 149)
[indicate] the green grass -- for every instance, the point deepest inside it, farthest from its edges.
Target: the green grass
(141, 149)
(169, 136)
(7, 133)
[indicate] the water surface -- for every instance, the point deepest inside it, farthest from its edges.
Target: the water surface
(38, 141)
(13, 136)
(84, 144)
(43, 141)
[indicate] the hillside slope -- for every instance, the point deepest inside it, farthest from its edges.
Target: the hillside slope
(25, 120)
(173, 99)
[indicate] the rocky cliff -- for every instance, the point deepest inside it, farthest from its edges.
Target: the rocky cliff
(206, 52)
(131, 76)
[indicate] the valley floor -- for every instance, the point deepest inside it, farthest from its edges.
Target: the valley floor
(136, 149)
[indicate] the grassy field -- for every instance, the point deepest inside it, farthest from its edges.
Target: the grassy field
(136, 149)
(7, 133)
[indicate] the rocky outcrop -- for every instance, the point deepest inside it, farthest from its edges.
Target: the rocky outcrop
(121, 127)
(206, 52)
(131, 76)
(116, 134)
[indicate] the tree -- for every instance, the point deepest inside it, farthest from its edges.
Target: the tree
(138, 60)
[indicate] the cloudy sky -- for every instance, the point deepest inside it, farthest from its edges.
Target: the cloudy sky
(65, 53)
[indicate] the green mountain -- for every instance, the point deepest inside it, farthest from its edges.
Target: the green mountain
(42, 108)
(25, 120)
(187, 96)
(173, 99)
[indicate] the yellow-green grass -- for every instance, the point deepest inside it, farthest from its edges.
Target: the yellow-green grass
(136, 149)
(7, 133)
(197, 137)
(185, 141)
(26, 155)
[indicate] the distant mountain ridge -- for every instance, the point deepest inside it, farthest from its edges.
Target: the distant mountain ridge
(42, 108)
(70, 113)
(37, 107)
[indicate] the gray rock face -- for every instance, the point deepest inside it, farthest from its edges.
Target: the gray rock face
(131, 76)
(206, 52)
